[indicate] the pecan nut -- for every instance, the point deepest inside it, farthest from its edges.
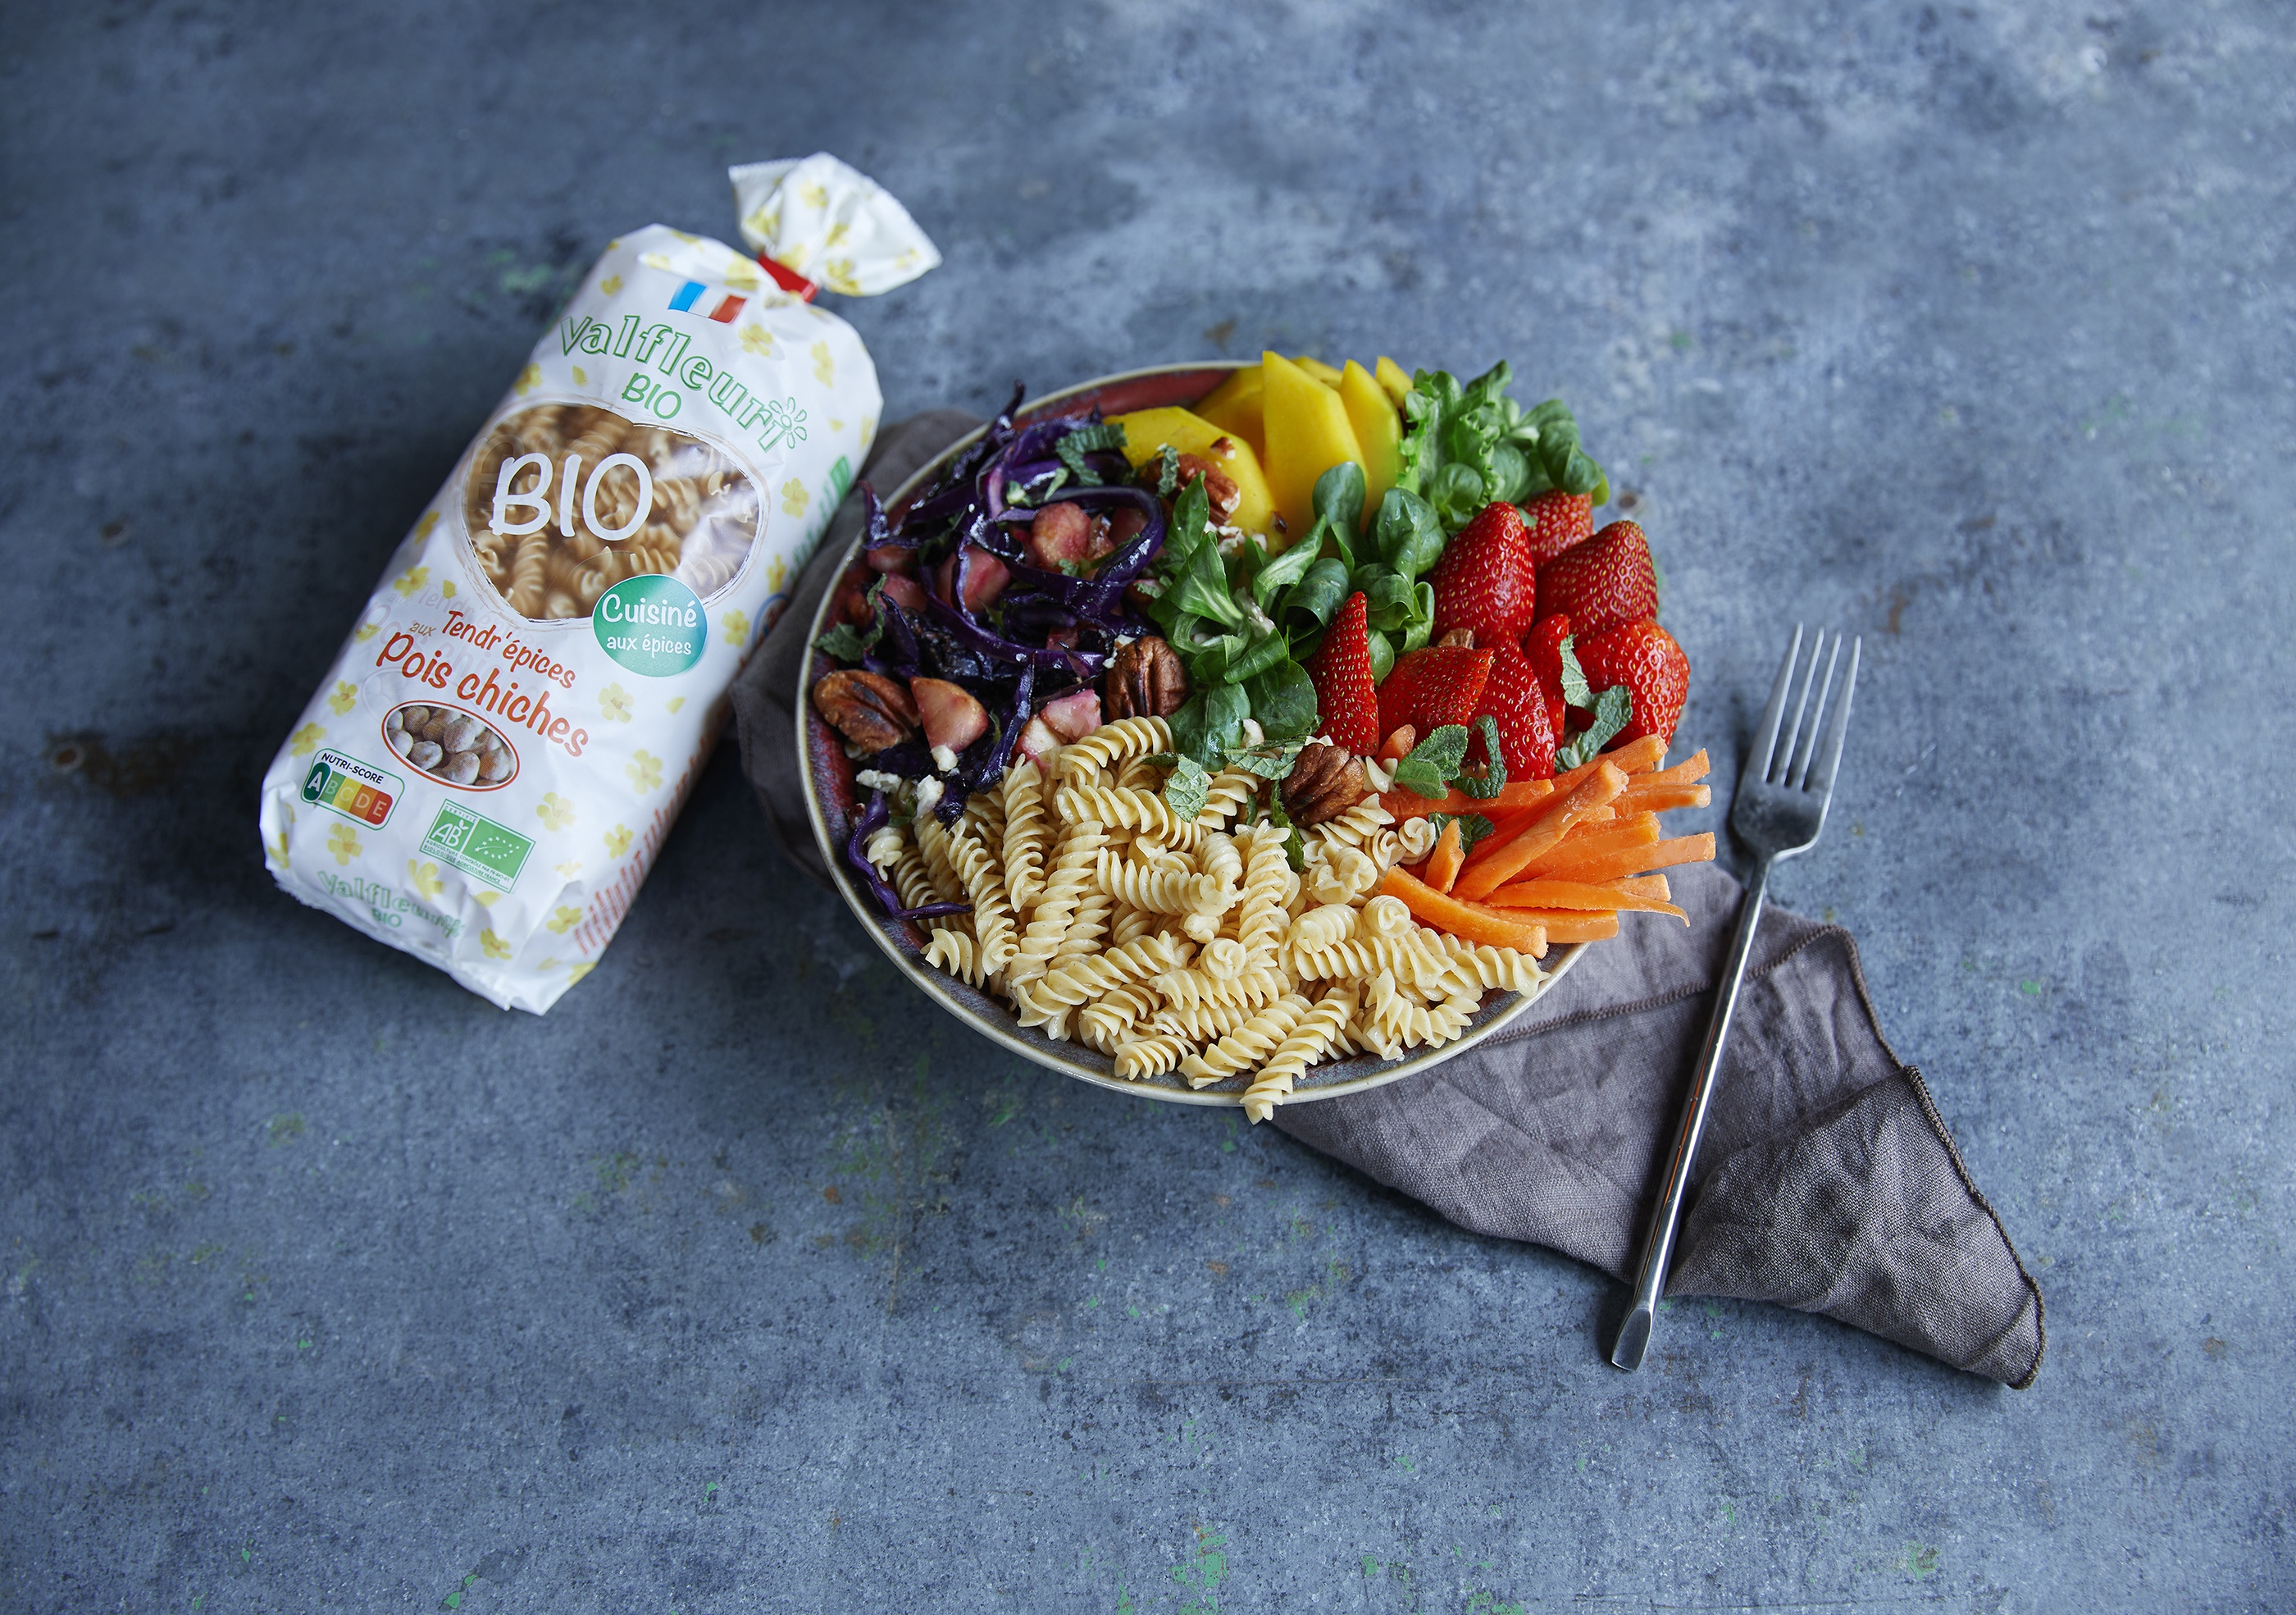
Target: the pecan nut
(1324, 782)
(868, 709)
(1145, 681)
(1220, 492)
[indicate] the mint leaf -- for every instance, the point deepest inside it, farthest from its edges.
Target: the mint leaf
(844, 644)
(1615, 709)
(1167, 471)
(1493, 778)
(1472, 828)
(1267, 762)
(1575, 692)
(1423, 778)
(1186, 787)
(1086, 439)
(1443, 750)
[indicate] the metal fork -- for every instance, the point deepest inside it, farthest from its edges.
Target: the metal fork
(1780, 809)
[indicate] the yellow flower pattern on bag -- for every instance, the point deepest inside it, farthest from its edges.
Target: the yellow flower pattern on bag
(735, 626)
(563, 919)
(824, 367)
(554, 811)
(344, 844)
(342, 697)
(424, 877)
(644, 769)
(617, 841)
(306, 740)
(794, 497)
(497, 947)
(614, 702)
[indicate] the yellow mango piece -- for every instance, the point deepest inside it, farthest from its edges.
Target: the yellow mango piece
(1317, 368)
(1146, 431)
(1307, 434)
(1234, 406)
(1393, 379)
(1378, 429)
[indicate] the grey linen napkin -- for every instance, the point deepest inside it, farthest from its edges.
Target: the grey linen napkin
(1827, 1181)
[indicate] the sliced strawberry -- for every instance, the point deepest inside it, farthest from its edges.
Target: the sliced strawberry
(1558, 521)
(952, 717)
(1340, 670)
(1513, 701)
(1607, 581)
(1543, 646)
(1429, 689)
(1645, 658)
(1487, 582)
(1075, 715)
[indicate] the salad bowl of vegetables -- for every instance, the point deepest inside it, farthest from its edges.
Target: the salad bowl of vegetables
(1109, 726)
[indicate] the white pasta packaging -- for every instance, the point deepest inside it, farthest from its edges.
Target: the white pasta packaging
(506, 736)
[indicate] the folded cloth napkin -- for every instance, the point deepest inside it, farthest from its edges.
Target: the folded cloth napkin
(1827, 1180)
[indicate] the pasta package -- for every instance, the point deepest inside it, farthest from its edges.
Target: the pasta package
(506, 737)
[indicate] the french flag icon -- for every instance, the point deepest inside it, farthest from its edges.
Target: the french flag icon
(688, 298)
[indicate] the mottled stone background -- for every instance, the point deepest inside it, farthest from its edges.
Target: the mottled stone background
(745, 1280)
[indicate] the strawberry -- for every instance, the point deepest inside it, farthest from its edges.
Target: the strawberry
(1513, 699)
(1340, 672)
(1558, 521)
(1487, 582)
(1431, 687)
(1645, 658)
(1543, 646)
(1605, 582)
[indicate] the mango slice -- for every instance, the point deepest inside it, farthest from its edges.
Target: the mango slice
(1393, 378)
(1317, 368)
(1378, 429)
(1146, 431)
(1234, 407)
(1307, 434)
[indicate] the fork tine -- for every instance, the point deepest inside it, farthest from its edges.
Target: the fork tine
(1829, 755)
(1765, 738)
(1781, 761)
(1806, 745)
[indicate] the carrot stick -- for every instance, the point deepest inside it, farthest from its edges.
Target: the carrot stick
(1644, 797)
(1566, 926)
(1634, 757)
(1609, 896)
(1470, 921)
(1609, 864)
(1450, 852)
(1404, 803)
(1690, 771)
(1486, 874)
(1587, 840)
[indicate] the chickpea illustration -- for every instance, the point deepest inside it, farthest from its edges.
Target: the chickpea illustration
(458, 747)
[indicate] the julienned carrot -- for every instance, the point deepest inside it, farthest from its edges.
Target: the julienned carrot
(1404, 803)
(1469, 922)
(1564, 926)
(1690, 771)
(1634, 757)
(1608, 896)
(1644, 797)
(1485, 873)
(1609, 864)
(1443, 863)
(1587, 840)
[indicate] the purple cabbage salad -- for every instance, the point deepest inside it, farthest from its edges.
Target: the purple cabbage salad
(969, 589)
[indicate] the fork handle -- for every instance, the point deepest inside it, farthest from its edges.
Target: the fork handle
(1657, 1243)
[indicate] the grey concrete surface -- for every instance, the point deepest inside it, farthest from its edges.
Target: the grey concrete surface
(745, 1280)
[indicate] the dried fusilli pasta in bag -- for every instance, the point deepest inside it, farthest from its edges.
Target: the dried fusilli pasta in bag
(488, 769)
